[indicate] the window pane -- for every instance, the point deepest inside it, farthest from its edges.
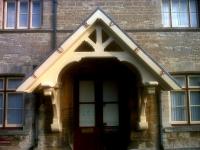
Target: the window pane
(1, 100)
(165, 6)
(195, 113)
(87, 115)
(86, 91)
(1, 108)
(36, 20)
(36, 7)
(166, 19)
(195, 105)
(175, 19)
(110, 91)
(194, 80)
(178, 110)
(184, 6)
(23, 7)
(13, 83)
(194, 19)
(15, 100)
(111, 115)
(195, 98)
(181, 80)
(14, 116)
(183, 20)
(175, 6)
(1, 117)
(11, 10)
(36, 14)
(193, 6)
(1, 84)
(23, 20)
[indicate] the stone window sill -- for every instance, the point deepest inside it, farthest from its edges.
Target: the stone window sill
(13, 132)
(185, 128)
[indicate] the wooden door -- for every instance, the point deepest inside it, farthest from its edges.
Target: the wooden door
(97, 125)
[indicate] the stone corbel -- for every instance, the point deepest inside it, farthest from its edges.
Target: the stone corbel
(52, 93)
(147, 90)
(143, 124)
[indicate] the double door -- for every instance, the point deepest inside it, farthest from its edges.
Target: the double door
(97, 115)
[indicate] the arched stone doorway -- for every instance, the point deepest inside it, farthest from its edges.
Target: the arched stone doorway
(107, 91)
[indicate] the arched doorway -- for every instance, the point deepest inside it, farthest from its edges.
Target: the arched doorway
(104, 99)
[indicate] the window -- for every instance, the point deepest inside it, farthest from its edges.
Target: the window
(185, 104)
(11, 103)
(22, 14)
(180, 13)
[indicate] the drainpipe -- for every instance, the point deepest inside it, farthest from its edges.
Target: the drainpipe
(35, 123)
(158, 97)
(54, 24)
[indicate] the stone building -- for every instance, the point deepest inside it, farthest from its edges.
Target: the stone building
(99, 75)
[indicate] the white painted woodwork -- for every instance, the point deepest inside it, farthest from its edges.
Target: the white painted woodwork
(48, 72)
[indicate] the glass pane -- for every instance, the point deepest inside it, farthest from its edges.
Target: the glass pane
(184, 6)
(23, 7)
(1, 100)
(36, 7)
(194, 80)
(11, 14)
(23, 20)
(1, 84)
(86, 91)
(165, 6)
(14, 116)
(183, 20)
(193, 6)
(1, 116)
(87, 115)
(181, 80)
(166, 19)
(14, 83)
(195, 113)
(178, 99)
(175, 6)
(15, 100)
(110, 91)
(36, 20)
(1, 108)
(178, 114)
(178, 106)
(175, 19)
(111, 115)
(194, 19)
(195, 98)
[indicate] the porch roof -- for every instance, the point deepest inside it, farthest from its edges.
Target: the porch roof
(40, 73)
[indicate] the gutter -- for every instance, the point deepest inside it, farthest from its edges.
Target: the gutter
(54, 24)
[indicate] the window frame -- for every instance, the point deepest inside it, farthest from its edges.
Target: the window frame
(3, 84)
(5, 93)
(1, 125)
(6, 111)
(170, 20)
(17, 15)
(187, 89)
(7, 80)
(170, 109)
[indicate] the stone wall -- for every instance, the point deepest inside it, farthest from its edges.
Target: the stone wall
(177, 136)
(177, 50)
